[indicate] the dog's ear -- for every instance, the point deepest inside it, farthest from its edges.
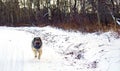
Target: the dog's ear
(39, 38)
(34, 39)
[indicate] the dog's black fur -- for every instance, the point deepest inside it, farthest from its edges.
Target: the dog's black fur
(37, 43)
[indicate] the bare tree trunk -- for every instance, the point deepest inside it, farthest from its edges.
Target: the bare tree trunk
(98, 15)
(74, 8)
(49, 11)
(113, 13)
(83, 7)
(11, 12)
(58, 3)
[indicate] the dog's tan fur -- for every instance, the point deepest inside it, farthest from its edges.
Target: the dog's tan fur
(37, 52)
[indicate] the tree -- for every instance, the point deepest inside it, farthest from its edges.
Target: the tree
(49, 10)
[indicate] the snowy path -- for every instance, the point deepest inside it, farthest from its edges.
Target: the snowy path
(16, 53)
(62, 50)
(11, 51)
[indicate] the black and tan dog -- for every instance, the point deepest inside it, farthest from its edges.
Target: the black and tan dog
(37, 47)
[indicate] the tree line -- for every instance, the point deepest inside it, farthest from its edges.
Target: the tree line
(36, 12)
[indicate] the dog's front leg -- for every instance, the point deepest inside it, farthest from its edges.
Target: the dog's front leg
(35, 52)
(40, 53)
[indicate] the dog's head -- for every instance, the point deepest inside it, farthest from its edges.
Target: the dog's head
(37, 42)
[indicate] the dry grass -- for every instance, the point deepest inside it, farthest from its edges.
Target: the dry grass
(86, 27)
(90, 28)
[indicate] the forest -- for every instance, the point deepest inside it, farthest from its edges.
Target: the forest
(84, 15)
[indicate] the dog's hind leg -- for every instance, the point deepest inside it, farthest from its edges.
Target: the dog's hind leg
(40, 53)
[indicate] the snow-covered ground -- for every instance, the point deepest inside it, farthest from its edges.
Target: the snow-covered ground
(62, 50)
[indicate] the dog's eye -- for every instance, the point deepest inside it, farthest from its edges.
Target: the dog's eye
(37, 39)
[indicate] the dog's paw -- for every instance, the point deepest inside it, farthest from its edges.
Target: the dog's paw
(35, 56)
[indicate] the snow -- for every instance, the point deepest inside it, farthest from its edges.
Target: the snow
(62, 50)
(118, 21)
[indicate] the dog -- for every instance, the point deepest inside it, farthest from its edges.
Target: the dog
(37, 47)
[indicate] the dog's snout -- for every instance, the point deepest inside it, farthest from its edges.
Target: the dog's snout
(37, 43)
